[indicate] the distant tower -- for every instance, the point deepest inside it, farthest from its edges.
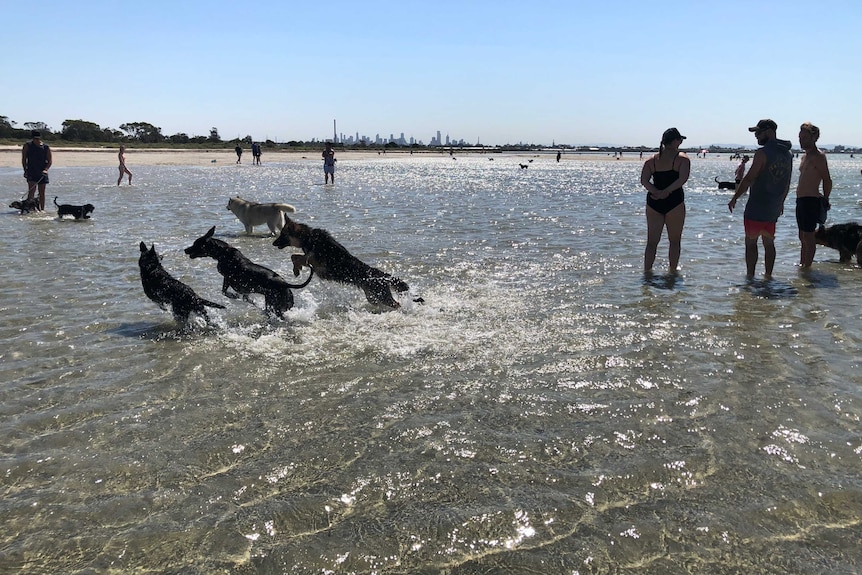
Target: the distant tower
(334, 133)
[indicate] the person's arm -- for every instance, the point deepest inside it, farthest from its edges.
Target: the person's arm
(684, 172)
(646, 174)
(24, 156)
(787, 190)
(827, 178)
(757, 164)
(49, 159)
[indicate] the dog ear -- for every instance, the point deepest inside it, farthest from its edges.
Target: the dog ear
(210, 233)
(143, 248)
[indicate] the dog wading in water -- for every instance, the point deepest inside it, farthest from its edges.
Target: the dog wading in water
(331, 261)
(165, 290)
(244, 276)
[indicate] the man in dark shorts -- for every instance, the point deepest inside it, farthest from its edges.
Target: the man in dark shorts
(769, 180)
(36, 160)
(810, 204)
(238, 151)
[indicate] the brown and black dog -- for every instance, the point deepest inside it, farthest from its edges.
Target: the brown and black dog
(26, 206)
(331, 261)
(245, 276)
(846, 238)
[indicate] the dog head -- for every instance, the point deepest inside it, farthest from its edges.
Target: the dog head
(149, 258)
(17, 205)
(292, 234)
(201, 247)
(87, 209)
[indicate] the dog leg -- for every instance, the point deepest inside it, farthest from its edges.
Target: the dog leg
(299, 260)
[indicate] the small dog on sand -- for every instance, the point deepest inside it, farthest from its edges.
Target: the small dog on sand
(166, 290)
(331, 261)
(846, 238)
(725, 185)
(245, 276)
(79, 212)
(256, 214)
(26, 206)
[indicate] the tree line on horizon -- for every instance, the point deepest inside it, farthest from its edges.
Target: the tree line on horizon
(85, 131)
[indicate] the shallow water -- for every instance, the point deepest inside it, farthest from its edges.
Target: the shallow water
(546, 410)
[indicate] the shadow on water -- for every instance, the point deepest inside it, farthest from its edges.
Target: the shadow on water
(770, 289)
(667, 281)
(160, 332)
(818, 279)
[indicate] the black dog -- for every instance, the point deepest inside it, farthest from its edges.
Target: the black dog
(79, 212)
(846, 238)
(331, 261)
(725, 185)
(26, 206)
(164, 289)
(245, 276)
(524, 166)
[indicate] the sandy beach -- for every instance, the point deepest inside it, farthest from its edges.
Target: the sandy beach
(10, 156)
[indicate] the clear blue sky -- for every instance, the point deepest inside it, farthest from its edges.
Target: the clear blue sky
(498, 71)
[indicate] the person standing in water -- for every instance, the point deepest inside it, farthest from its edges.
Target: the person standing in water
(238, 151)
(663, 176)
(810, 204)
(123, 169)
(36, 159)
(740, 169)
(769, 180)
(328, 163)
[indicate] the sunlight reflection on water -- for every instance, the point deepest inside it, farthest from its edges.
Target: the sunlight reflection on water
(547, 405)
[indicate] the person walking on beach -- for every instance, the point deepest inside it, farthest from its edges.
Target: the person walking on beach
(663, 176)
(238, 151)
(811, 206)
(123, 169)
(769, 180)
(255, 153)
(328, 163)
(740, 169)
(36, 160)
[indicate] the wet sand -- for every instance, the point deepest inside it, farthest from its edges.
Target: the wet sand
(10, 156)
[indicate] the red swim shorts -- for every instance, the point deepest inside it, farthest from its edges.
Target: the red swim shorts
(755, 229)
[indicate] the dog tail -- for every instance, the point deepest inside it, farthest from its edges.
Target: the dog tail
(285, 207)
(55, 201)
(306, 282)
(211, 304)
(716, 179)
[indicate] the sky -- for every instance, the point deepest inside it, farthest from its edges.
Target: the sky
(492, 72)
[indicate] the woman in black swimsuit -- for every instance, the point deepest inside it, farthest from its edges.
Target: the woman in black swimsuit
(663, 176)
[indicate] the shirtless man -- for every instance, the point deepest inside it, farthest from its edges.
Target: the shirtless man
(123, 169)
(813, 169)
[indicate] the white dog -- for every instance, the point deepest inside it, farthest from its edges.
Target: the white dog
(256, 214)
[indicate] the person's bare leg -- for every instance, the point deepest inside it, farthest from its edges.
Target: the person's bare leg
(750, 256)
(808, 249)
(768, 255)
(655, 224)
(674, 220)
